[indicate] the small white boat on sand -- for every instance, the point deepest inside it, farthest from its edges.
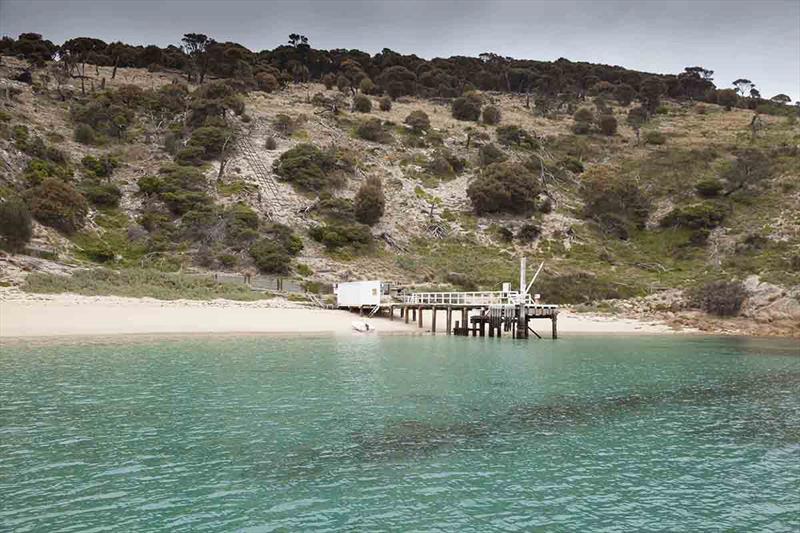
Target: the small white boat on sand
(363, 326)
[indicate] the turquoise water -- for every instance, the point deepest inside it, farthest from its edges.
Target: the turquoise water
(402, 433)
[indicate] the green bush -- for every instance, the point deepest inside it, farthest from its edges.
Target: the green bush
(336, 235)
(182, 188)
(467, 107)
(584, 114)
(85, 134)
(100, 168)
(362, 103)
(241, 224)
(270, 257)
(190, 155)
(607, 124)
(16, 228)
(211, 140)
(489, 154)
(418, 120)
(654, 137)
(515, 136)
(702, 215)
(369, 202)
(40, 169)
(504, 187)
(491, 115)
(721, 298)
(329, 80)
(373, 130)
(727, 98)
(308, 168)
(101, 194)
(59, 205)
(709, 188)
(385, 103)
(528, 233)
(615, 202)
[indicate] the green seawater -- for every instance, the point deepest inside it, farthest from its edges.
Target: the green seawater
(662, 433)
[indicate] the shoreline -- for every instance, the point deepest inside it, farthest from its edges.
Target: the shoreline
(25, 316)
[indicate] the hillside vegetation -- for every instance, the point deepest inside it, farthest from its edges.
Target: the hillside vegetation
(435, 172)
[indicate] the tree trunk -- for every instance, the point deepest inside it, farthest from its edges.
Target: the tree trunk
(114, 72)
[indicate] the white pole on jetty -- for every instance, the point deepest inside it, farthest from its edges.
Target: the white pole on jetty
(522, 318)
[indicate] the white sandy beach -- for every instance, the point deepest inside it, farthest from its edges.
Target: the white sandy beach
(29, 315)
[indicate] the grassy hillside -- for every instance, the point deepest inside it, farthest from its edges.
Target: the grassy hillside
(701, 197)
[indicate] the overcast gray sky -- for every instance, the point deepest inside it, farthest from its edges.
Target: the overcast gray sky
(755, 39)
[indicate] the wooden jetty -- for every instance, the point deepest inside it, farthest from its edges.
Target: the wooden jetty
(481, 313)
(491, 313)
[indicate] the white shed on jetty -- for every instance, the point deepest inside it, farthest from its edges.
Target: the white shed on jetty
(360, 293)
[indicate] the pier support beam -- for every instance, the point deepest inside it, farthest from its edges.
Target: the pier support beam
(433, 319)
(554, 320)
(419, 323)
(414, 314)
(406, 314)
(465, 321)
(449, 320)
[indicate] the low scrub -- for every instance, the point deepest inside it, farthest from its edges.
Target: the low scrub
(617, 203)
(309, 168)
(504, 188)
(338, 235)
(16, 227)
(59, 205)
(702, 215)
(721, 298)
(374, 130)
(515, 136)
(138, 283)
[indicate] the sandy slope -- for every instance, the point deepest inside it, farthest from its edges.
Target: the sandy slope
(24, 315)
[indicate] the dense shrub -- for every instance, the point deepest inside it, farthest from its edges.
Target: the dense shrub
(654, 137)
(58, 204)
(266, 82)
(85, 134)
(336, 235)
(584, 114)
(241, 224)
(39, 169)
(308, 168)
(709, 188)
(101, 194)
(750, 169)
(727, 98)
(512, 135)
(273, 253)
(373, 130)
(581, 128)
(722, 298)
(624, 94)
(190, 155)
(108, 113)
(491, 115)
(329, 80)
(16, 228)
(369, 202)
(212, 102)
(270, 257)
(101, 167)
(182, 188)
(418, 120)
(270, 143)
(467, 107)
(362, 103)
(607, 124)
(211, 140)
(504, 187)
(366, 86)
(385, 103)
(616, 203)
(702, 215)
(528, 233)
(489, 154)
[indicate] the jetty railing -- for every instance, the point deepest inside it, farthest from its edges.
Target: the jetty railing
(466, 298)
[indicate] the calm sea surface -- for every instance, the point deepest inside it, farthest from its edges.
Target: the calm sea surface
(402, 433)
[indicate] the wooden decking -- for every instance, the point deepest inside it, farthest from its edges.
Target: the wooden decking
(482, 313)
